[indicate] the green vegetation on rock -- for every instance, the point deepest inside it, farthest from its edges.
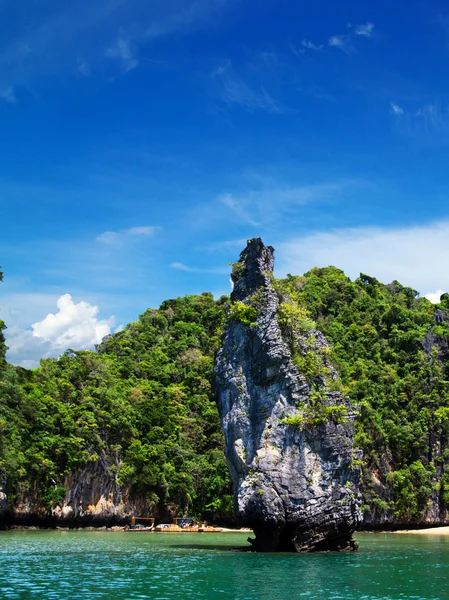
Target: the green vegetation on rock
(144, 401)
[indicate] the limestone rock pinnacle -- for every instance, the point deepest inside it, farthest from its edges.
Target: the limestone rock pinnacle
(289, 436)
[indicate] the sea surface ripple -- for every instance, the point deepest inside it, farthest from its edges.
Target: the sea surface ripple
(81, 565)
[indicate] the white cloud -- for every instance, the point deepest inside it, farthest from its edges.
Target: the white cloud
(272, 202)
(345, 42)
(8, 95)
(125, 52)
(365, 30)
(395, 109)
(237, 206)
(83, 67)
(432, 118)
(182, 267)
(429, 122)
(235, 90)
(310, 45)
(412, 255)
(74, 326)
(60, 31)
(434, 297)
(116, 238)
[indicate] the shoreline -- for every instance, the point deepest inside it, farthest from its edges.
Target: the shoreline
(433, 531)
(114, 528)
(444, 530)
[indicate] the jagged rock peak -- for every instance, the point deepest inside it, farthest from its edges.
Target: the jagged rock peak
(288, 428)
(253, 269)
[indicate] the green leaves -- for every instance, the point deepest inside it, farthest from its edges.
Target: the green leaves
(142, 405)
(144, 400)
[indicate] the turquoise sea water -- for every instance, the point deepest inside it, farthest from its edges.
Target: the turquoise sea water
(66, 565)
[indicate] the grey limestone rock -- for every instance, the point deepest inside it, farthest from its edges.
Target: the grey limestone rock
(297, 487)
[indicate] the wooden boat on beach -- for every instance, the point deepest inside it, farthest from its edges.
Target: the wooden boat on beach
(185, 525)
(179, 525)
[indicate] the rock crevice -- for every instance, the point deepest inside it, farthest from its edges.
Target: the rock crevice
(295, 480)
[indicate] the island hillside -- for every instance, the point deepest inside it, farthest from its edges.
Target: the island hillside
(133, 428)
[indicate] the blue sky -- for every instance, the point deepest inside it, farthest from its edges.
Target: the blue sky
(143, 142)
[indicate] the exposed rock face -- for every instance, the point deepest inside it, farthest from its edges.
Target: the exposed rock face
(296, 486)
(93, 498)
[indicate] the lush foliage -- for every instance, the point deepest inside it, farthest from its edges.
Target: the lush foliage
(392, 356)
(144, 399)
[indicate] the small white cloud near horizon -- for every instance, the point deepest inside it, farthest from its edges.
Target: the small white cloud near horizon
(405, 254)
(116, 238)
(75, 326)
(434, 297)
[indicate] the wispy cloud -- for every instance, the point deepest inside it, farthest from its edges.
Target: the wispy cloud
(346, 41)
(8, 95)
(396, 110)
(182, 267)
(117, 238)
(273, 202)
(83, 67)
(309, 45)
(342, 42)
(125, 52)
(59, 33)
(236, 91)
(427, 122)
(237, 205)
(366, 30)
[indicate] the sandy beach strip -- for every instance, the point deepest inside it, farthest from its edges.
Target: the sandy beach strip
(428, 531)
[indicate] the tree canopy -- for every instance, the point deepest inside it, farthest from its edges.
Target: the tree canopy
(144, 399)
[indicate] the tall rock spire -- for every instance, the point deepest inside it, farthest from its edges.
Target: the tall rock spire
(289, 435)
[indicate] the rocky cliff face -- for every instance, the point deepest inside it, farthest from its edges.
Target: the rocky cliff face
(288, 430)
(92, 497)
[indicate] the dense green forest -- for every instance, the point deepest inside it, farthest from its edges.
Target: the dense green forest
(145, 400)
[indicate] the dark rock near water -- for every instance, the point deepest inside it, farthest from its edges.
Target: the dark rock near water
(297, 487)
